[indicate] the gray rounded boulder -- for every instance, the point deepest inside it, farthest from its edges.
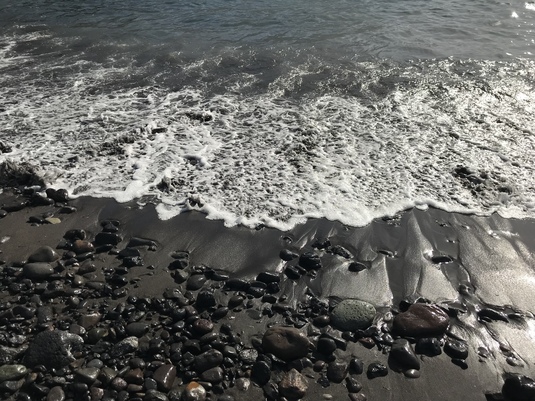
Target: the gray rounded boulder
(352, 314)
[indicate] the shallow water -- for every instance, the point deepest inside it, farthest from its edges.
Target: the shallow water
(270, 113)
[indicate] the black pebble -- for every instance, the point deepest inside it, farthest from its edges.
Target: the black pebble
(376, 369)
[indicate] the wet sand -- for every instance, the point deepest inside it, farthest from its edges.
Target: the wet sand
(479, 269)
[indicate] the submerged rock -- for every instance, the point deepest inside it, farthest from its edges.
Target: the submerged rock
(421, 320)
(286, 343)
(352, 314)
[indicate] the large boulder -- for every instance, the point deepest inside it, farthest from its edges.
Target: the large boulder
(52, 349)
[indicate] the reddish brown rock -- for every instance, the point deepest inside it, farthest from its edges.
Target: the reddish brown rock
(421, 320)
(286, 343)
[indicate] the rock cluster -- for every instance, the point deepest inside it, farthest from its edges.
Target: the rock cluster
(77, 333)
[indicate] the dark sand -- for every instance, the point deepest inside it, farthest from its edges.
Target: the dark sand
(492, 263)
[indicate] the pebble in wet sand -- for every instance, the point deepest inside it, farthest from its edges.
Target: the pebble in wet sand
(286, 343)
(421, 320)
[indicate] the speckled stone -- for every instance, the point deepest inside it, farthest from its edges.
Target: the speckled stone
(52, 349)
(352, 314)
(293, 385)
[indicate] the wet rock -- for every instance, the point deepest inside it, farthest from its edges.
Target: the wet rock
(376, 369)
(87, 375)
(12, 372)
(107, 238)
(37, 271)
(352, 314)
(429, 346)
(126, 346)
(310, 261)
(213, 375)
(134, 376)
(52, 220)
(488, 314)
(268, 277)
(403, 355)
(60, 195)
(207, 360)
(195, 282)
(337, 371)
(56, 393)
(287, 255)
(326, 346)
(52, 349)
(421, 320)
(79, 246)
(165, 376)
(352, 385)
(261, 372)
(356, 267)
(89, 320)
(356, 366)
(518, 388)
(293, 385)
(8, 354)
(286, 343)
(456, 349)
(136, 329)
(205, 299)
(154, 395)
(194, 392)
(44, 254)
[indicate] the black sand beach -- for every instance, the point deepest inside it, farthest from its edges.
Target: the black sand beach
(188, 286)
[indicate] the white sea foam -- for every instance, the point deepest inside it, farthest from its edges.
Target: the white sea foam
(278, 160)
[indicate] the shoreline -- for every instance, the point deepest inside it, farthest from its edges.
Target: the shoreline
(478, 270)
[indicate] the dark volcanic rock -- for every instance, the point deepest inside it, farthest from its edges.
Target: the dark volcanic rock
(52, 349)
(207, 360)
(456, 349)
(107, 238)
(37, 271)
(44, 254)
(403, 355)
(261, 372)
(337, 371)
(429, 346)
(518, 388)
(376, 369)
(165, 376)
(421, 320)
(310, 261)
(286, 343)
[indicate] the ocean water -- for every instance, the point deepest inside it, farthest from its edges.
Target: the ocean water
(273, 112)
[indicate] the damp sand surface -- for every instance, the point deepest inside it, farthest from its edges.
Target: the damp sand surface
(477, 269)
